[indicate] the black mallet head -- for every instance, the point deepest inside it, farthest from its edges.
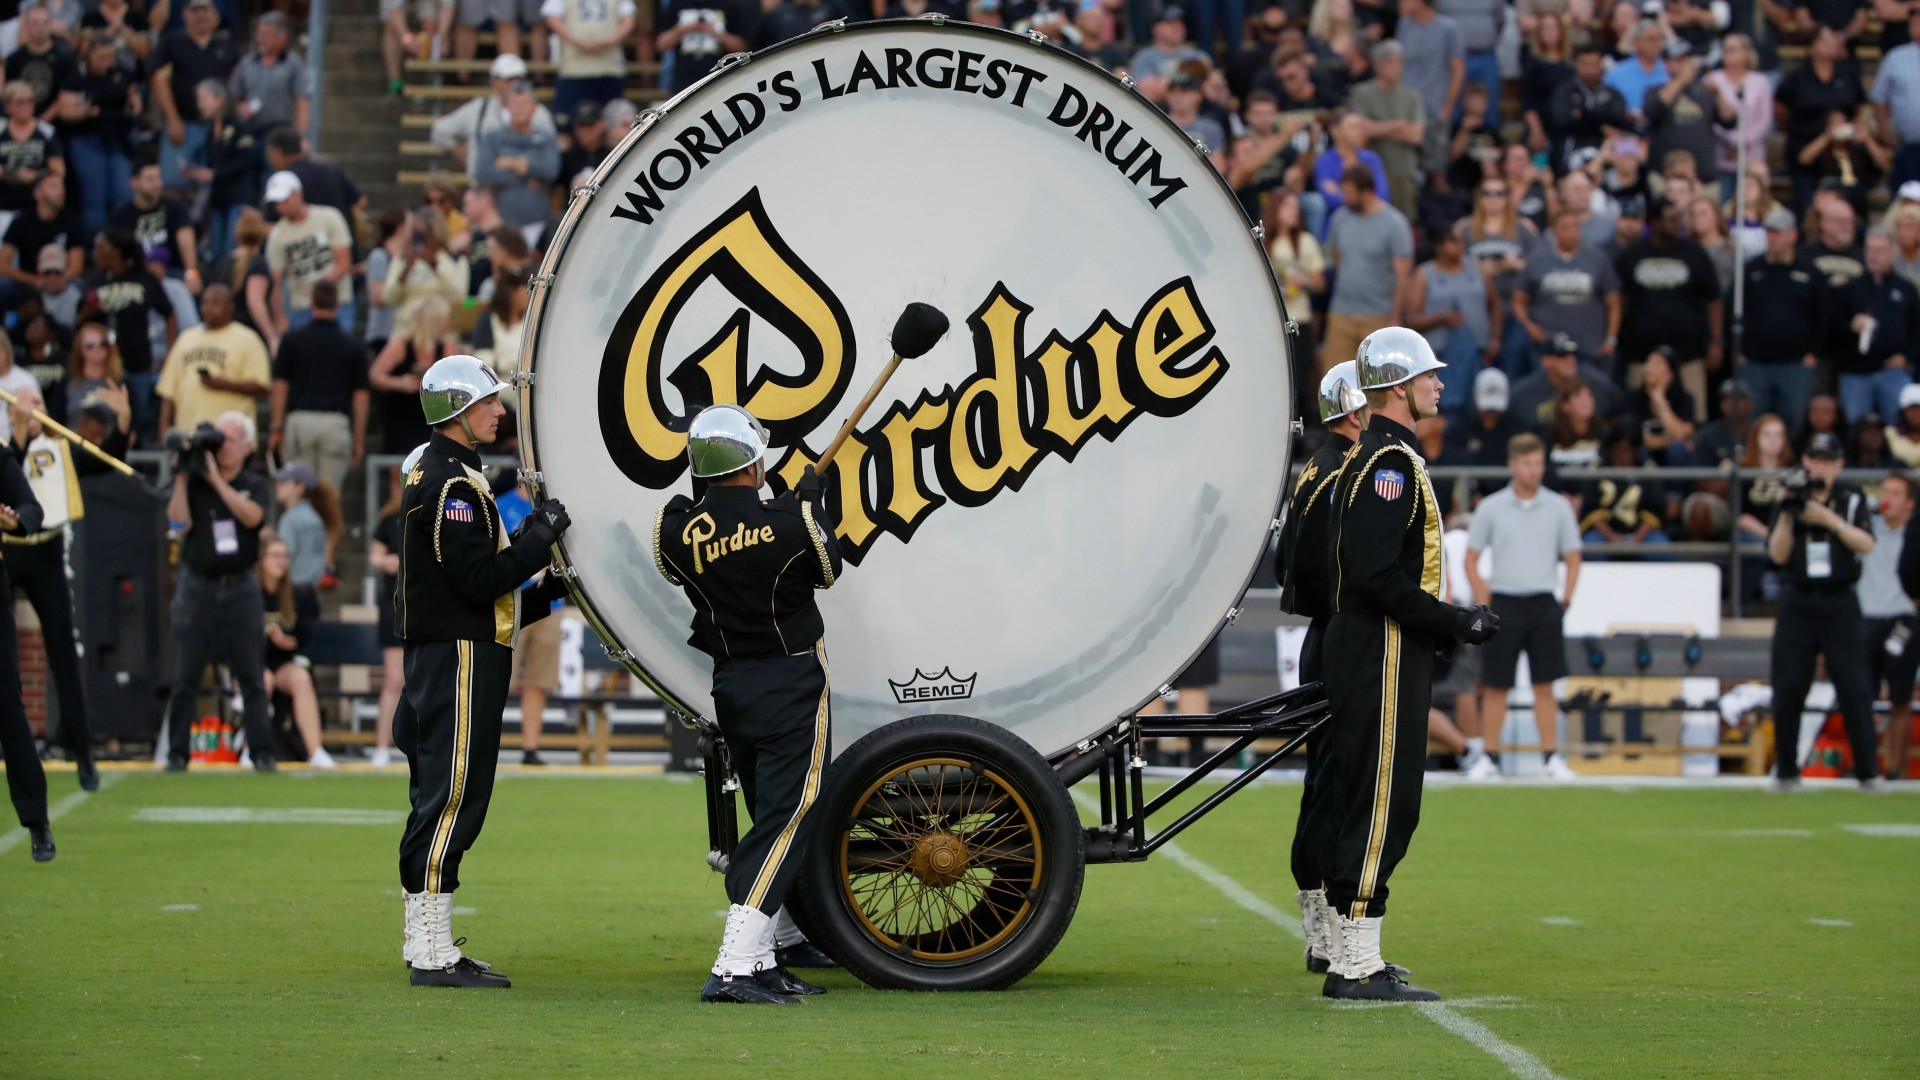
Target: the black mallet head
(918, 329)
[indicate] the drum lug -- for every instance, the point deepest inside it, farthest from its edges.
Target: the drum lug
(521, 378)
(1166, 689)
(564, 573)
(1259, 231)
(1293, 331)
(1278, 524)
(530, 477)
(1299, 426)
(832, 26)
(935, 18)
(1201, 148)
(1233, 613)
(539, 281)
(588, 191)
(618, 656)
(1127, 81)
(648, 117)
(732, 59)
(1037, 37)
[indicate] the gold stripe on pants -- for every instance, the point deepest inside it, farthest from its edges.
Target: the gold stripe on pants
(808, 792)
(1383, 775)
(462, 740)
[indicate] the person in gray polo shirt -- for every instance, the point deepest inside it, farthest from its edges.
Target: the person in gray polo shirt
(1893, 656)
(1529, 530)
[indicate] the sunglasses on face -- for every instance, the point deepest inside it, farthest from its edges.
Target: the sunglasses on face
(1494, 193)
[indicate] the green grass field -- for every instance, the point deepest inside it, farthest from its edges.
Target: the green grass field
(1578, 932)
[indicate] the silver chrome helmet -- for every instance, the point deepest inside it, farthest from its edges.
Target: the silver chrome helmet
(453, 384)
(1340, 392)
(724, 439)
(1393, 355)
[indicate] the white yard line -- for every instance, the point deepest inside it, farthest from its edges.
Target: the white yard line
(12, 837)
(1519, 1062)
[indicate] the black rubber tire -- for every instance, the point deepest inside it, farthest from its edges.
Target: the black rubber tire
(826, 913)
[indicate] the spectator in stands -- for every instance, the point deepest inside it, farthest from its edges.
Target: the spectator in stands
(518, 162)
(1786, 313)
(1680, 115)
(1847, 160)
(1743, 113)
(1561, 370)
(1573, 435)
(1705, 227)
(44, 346)
(788, 19)
(587, 144)
(1631, 510)
(1595, 211)
(1584, 111)
(1906, 239)
(1903, 434)
(695, 34)
(95, 372)
(1883, 319)
(1768, 450)
(44, 62)
(1645, 71)
(270, 84)
(1392, 121)
(1823, 417)
(423, 338)
(13, 379)
(1663, 412)
(1298, 263)
(423, 266)
(1545, 64)
(229, 169)
(302, 524)
(1571, 289)
(1673, 290)
(1099, 41)
(99, 106)
(1868, 449)
(1528, 185)
(593, 64)
(220, 366)
(1891, 624)
(1263, 153)
(1721, 441)
(28, 147)
(45, 223)
(308, 245)
(1156, 62)
(321, 182)
(1454, 304)
(398, 41)
(245, 271)
(459, 132)
(1436, 67)
(536, 664)
(620, 116)
(1629, 228)
(1184, 97)
(1479, 23)
(385, 560)
(182, 60)
(159, 222)
(507, 320)
(60, 292)
(1826, 83)
(217, 607)
(132, 44)
(292, 611)
(320, 394)
(125, 293)
(1896, 100)
(394, 240)
(1370, 245)
(1835, 251)
(1481, 439)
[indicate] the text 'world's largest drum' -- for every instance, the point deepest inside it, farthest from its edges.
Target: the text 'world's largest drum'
(1046, 517)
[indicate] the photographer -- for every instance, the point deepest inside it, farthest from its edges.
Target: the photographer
(1819, 534)
(217, 609)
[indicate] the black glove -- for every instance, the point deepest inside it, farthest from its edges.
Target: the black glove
(549, 521)
(1474, 625)
(810, 486)
(549, 588)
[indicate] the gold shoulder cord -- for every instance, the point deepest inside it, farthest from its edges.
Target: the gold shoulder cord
(819, 545)
(659, 560)
(440, 513)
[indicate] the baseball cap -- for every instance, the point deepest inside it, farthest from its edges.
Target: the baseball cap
(1737, 389)
(52, 257)
(191, 4)
(1633, 207)
(1562, 344)
(587, 112)
(1490, 390)
(297, 471)
(280, 186)
(507, 66)
(1780, 219)
(1909, 191)
(1909, 396)
(1180, 80)
(1172, 13)
(1825, 444)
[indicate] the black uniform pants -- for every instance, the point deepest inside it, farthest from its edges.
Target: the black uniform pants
(26, 780)
(1808, 625)
(1377, 757)
(1310, 831)
(41, 573)
(448, 725)
(219, 620)
(773, 713)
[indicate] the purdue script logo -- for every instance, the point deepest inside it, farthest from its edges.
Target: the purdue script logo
(945, 686)
(986, 435)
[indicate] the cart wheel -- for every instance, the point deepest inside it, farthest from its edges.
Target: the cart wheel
(946, 856)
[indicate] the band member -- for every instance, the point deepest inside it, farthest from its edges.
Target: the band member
(459, 602)
(26, 780)
(1300, 567)
(1387, 626)
(37, 562)
(750, 567)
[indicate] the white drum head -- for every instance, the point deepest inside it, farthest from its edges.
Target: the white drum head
(1048, 515)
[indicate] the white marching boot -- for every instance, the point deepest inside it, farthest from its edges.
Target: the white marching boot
(435, 958)
(1358, 973)
(734, 978)
(1314, 929)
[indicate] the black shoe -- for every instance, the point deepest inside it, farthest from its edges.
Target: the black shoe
(531, 757)
(1316, 965)
(804, 955)
(1382, 985)
(89, 776)
(741, 990)
(176, 764)
(781, 981)
(42, 843)
(464, 972)
(265, 763)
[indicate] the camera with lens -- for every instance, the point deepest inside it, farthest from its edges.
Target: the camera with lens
(1796, 487)
(190, 448)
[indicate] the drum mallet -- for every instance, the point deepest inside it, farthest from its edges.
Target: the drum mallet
(61, 430)
(916, 331)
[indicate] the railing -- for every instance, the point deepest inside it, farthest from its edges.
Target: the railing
(316, 70)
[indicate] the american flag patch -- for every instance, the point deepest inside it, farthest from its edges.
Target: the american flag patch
(1389, 483)
(459, 510)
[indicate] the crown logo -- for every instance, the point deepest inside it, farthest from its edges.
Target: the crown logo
(945, 686)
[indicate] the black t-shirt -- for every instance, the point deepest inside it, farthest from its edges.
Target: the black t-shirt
(128, 300)
(28, 234)
(31, 153)
(256, 268)
(1677, 398)
(93, 24)
(1465, 172)
(1819, 562)
(1667, 290)
(306, 615)
(323, 367)
(696, 54)
(155, 228)
(216, 543)
(1808, 101)
(323, 185)
(1717, 444)
(575, 159)
(1624, 505)
(46, 72)
(192, 64)
(1687, 124)
(112, 93)
(1700, 37)
(1834, 13)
